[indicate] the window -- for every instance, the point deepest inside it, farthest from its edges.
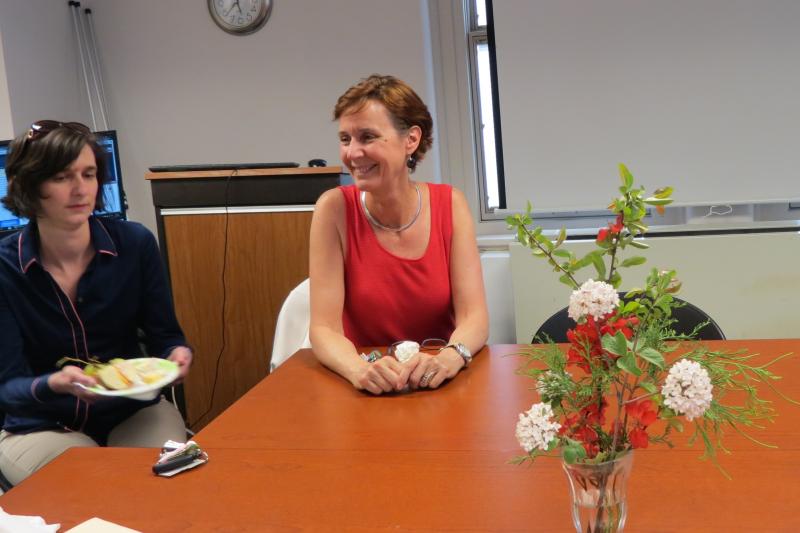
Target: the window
(485, 113)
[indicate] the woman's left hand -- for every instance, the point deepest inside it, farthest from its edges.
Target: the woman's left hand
(430, 371)
(182, 356)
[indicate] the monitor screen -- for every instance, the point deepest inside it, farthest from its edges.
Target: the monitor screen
(113, 193)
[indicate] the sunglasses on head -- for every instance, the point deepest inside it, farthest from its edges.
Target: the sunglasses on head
(40, 128)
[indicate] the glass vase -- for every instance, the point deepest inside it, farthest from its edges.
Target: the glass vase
(599, 492)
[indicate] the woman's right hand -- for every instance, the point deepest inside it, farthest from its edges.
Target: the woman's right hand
(65, 382)
(384, 375)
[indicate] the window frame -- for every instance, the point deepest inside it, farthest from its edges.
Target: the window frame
(477, 36)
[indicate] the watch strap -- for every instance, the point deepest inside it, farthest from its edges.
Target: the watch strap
(462, 351)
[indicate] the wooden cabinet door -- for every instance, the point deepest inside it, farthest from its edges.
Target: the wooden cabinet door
(230, 275)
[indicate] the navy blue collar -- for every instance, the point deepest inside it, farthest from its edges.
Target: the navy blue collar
(28, 242)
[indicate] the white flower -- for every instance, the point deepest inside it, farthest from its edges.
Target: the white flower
(405, 350)
(687, 389)
(595, 298)
(536, 428)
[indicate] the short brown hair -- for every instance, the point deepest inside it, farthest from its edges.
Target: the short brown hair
(32, 161)
(405, 107)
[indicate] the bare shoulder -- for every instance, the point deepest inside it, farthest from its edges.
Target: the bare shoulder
(331, 199)
(458, 198)
(460, 206)
(330, 205)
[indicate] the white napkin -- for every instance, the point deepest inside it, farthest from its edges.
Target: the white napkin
(406, 350)
(10, 523)
(98, 525)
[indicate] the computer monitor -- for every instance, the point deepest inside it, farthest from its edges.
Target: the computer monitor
(113, 193)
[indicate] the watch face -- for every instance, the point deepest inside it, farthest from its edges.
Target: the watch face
(240, 16)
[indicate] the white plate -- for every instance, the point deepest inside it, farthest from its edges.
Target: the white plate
(142, 392)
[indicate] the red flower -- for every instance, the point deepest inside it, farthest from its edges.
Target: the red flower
(642, 412)
(638, 438)
(606, 234)
(602, 235)
(617, 226)
(594, 413)
(621, 324)
(569, 421)
(588, 437)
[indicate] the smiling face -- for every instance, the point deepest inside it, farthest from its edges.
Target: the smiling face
(68, 198)
(372, 148)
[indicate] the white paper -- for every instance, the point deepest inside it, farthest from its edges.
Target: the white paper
(98, 525)
(10, 523)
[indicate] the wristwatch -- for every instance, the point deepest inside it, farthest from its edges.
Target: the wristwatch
(461, 350)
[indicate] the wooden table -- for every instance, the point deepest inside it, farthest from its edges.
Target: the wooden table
(303, 450)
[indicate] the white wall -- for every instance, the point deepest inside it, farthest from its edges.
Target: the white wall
(41, 64)
(183, 91)
(496, 266)
(6, 127)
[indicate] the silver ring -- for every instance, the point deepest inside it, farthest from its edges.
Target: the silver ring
(427, 377)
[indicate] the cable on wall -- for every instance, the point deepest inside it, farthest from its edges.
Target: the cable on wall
(224, 300)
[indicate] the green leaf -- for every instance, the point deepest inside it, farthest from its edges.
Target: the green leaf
(652, 356)
(628, 364)
(652, 200)
(537, 252)
(630, 307)
(633, 261)
(617, 344)
(566, 280)
(675, 423)
(626, 176)
(562, 235)
(573, 452)
(599, 265)
(640, 245)
(584, 261)
(649, 386)
(511, 221)
(663, 192)
(562, 253)
(546, 242)
(528, 207)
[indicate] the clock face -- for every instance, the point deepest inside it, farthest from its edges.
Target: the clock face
(240, 16)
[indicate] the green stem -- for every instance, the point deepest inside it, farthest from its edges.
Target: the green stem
(549, 255)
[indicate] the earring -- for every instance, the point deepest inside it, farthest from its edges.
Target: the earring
(411, 162)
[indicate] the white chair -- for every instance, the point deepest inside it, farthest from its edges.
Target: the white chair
(291, 330)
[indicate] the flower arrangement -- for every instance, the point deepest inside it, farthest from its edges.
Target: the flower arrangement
(622, 371)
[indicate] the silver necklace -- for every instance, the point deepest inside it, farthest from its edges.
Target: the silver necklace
(396, 229)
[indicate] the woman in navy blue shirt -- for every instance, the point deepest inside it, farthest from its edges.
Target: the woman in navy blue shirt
(74, 285)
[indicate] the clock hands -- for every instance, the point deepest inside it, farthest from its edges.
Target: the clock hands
(236, 5)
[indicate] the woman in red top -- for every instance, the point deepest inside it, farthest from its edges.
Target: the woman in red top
(392, 259)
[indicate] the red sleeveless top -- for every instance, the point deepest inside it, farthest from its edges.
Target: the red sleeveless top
(389, 298)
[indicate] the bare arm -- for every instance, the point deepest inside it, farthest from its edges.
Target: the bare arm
(469, 296)
(326, 270)
(469, 301)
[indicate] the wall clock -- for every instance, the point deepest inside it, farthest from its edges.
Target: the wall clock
(240, 17)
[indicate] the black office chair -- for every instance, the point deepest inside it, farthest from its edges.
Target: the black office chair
(687, 317)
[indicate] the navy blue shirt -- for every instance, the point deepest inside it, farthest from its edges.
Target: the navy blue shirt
(124, 289)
